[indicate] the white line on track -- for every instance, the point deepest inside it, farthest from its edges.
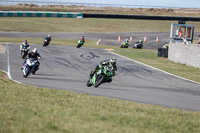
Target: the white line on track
(98, 41)
(154, 68)
(8, 63)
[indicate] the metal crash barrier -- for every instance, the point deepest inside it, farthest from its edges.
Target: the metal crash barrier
(40, 14)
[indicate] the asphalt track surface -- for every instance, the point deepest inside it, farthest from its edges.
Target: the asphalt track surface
(66, 67)
(106, 38)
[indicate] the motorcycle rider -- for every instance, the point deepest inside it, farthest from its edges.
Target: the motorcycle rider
(125, 44)
(24, 44)
(36, 56)
(138, 44)
(48, 38)
(108, 62)
(81, 41)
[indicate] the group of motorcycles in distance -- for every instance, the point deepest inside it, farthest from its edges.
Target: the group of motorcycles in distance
(137, 45)
(30, 65)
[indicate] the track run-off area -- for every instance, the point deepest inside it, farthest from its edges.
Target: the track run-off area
(68, 68)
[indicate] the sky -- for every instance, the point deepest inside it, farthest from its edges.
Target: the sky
(153, 3)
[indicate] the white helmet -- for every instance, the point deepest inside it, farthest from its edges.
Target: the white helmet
(49, 36)
(34, 50)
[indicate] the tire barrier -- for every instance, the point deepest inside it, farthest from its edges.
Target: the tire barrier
(88, 15)
(39, 14)
(163, 52)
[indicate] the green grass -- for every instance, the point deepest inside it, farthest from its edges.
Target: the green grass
(26, 109)
(89, 25)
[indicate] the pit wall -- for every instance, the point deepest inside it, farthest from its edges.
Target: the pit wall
(40, 14)
(184, 54)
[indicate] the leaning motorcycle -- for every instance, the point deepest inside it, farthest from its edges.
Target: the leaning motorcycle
(29, 67)
(102, 75)
(138, 45)
(79, 44)
(24, 52)
(124, 45)
(46, 43)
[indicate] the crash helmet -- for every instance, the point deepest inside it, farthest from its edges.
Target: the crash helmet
(34, 50)
(82, 38)
(25, 42)
(126, 40)
(113, 61)
(140, 41)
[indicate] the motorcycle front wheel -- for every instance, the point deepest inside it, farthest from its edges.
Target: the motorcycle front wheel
(26, 72)
(99, 80)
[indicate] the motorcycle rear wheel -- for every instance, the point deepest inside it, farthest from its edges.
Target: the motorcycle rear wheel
(88, 83)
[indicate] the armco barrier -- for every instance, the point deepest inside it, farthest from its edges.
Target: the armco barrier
(39, 14)
(89, 15)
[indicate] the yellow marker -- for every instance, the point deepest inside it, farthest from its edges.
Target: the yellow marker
(109, 49)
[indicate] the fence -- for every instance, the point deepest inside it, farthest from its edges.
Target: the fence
(39, 14)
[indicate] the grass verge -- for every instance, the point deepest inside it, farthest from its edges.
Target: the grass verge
(26, 108)
(89, 25)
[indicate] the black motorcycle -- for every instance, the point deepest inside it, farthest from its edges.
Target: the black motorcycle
(24, 52)
(46, 42)
(138, 45)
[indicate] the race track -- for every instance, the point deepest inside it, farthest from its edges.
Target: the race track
(65, 67)
(106, 38)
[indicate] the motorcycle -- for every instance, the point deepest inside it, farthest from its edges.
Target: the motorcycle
(46, 42)
(24, 52)
(101, 76)
(29, 67)
(124, 45)
(138, 45)
(79, 44)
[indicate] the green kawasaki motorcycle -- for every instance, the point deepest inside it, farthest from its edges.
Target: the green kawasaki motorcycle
(102, 75)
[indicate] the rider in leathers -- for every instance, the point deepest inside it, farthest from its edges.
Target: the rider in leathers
(24, 44)
(36, 56)
(108, 62)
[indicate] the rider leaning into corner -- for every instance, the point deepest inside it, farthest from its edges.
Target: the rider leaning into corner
(125, 44)
(81, 40)
(36, 56)
(48, 38)
(24, 44)
(108, 62)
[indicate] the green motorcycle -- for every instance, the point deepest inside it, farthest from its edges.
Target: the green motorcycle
(102, 75)
(79, 44)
